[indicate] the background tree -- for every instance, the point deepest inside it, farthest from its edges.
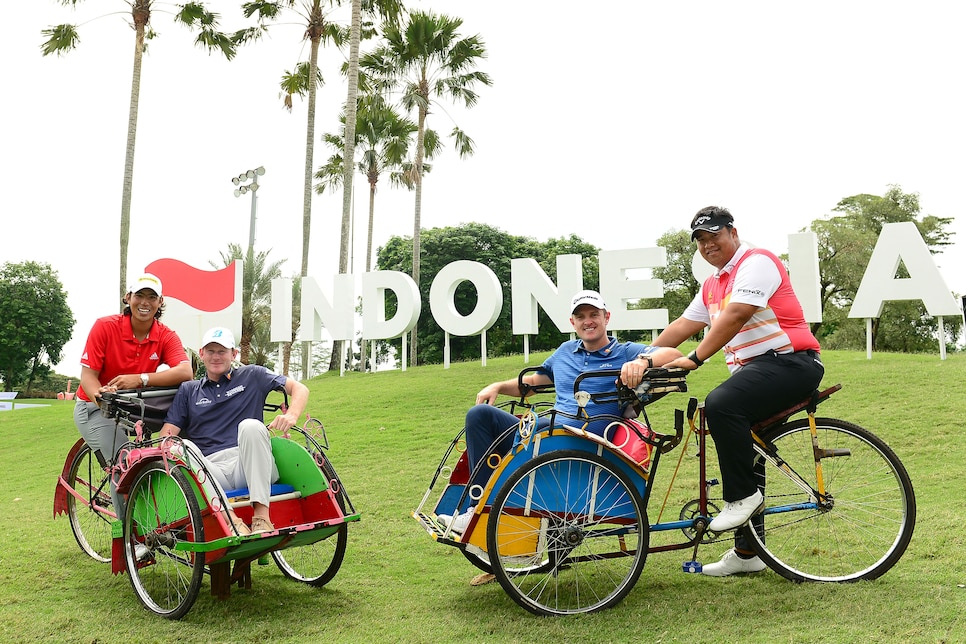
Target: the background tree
(495, 249)
(35, 322)
(427, 59)
(318, 29)
(256, 312)
(63, 38)
(845, 245)
(263, 350)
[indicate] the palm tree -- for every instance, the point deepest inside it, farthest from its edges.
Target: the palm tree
(428, 59)
(385, 138)
(258, 276)
(63, 38)
(317, 30)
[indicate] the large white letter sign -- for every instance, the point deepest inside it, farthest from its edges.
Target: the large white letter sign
(375, 326)
(804, 275)
(532, 286)
(617, 289)
(281, 310)
(489, 301)
(902, 242)
(337, 317)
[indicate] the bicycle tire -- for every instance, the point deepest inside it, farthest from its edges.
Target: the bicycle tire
(163, 512)
(92, 527)
(316, 564)
(568, 534)
(868, 523)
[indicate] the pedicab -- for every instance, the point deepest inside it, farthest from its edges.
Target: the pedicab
(562, 520)
(175, 526)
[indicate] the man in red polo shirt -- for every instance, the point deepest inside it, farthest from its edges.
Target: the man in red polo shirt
(125, 351)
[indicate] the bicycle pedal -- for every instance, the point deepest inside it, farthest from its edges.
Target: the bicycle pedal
(692, 567)
(263, 560)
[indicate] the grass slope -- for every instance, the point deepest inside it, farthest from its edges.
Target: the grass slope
(387, 432)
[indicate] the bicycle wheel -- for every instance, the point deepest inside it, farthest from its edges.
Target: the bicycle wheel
(317, 563)
(91, 519)
(163, 514)
(567, 534)
(866, 523)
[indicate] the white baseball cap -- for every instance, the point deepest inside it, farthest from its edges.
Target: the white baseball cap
(219, 335)
(587, 297)
(148, 281)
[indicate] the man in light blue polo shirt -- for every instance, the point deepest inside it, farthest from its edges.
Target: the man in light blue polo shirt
(593, 350)
(220, 417)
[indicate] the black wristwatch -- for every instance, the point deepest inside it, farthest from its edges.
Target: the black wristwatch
(693, 357)
(644, 356)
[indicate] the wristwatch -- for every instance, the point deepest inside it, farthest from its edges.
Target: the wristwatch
(644, 356)
(144, 380)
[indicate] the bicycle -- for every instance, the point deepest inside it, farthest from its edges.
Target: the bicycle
(175, 527)
(562, 521)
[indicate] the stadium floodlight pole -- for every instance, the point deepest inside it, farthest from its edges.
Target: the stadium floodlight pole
(240, 189)
(249, 175)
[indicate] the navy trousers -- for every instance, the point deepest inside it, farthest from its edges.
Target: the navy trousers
(489, 430)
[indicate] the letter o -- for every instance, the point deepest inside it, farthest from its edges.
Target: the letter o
(489, 302)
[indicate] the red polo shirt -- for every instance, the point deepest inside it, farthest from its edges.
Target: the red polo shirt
(112, 350)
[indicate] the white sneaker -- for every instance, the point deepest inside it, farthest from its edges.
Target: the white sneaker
(736, 514)
(732, 564)
(461, 522)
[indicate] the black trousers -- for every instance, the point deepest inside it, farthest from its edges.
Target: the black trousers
(761, 388)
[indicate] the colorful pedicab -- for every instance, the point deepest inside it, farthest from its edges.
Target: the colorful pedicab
(174, 528)
(562, 521)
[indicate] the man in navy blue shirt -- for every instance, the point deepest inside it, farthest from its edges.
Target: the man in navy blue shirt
(593, 350)
(220, 417)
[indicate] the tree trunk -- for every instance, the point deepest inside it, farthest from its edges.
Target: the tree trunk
(315, 33)
(417, 216)
(363, 347)
(349, 151)
(141, 13)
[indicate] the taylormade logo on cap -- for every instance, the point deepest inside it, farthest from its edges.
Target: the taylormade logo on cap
(592, 298)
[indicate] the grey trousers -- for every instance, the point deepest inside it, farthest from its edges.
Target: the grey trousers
(249, 465)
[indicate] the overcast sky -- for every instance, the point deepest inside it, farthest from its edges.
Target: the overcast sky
(614, 121)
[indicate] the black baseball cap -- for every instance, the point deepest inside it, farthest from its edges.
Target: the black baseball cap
(711, 220)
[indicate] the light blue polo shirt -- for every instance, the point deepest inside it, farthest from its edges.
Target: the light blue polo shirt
(208, 412)
(571, 359)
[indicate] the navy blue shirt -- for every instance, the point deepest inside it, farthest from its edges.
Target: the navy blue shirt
(208, 412)
(571, 359)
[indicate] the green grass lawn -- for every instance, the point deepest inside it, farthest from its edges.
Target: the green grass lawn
(387, 433)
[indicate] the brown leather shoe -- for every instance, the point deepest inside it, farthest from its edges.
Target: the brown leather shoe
(260, 524)
(239, 525)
